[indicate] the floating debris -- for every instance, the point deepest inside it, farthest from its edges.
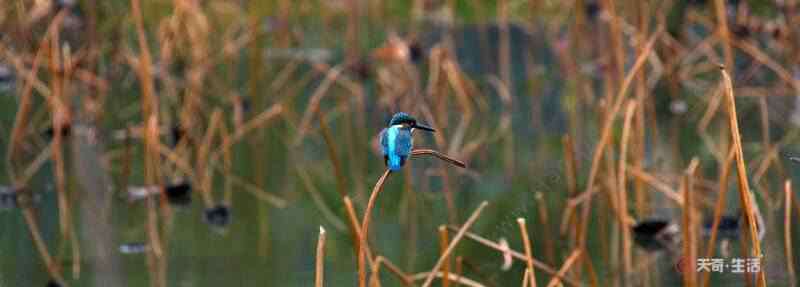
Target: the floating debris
(7, 78)
(179, 194)
(8, 198)
(133, 248)
(507, 259)
(11, 197)
(218, 216)
(656, 234)
(66, 131)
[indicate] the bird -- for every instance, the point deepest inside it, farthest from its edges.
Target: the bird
(397, 140)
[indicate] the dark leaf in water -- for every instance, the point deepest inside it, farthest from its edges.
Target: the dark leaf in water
(219, 216)
(179, 194)
(65, 131)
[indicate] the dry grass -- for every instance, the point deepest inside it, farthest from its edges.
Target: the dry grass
(223, 73)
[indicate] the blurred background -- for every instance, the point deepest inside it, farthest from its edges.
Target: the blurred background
(204, 143)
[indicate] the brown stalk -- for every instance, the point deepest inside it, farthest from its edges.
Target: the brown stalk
(318, 199)
(549, 246)
(574, 256)
(606, 135)
(456, 278)
(52, 268)
(689, 226)
(443, 241)
(627, 262)
(444, 157)
(658, 185)
(516, 254)
(787, 232)
(528, 250)
(721, 199)
(749, 206)
(205, 175)
(314, 102)
(227, 161)
(355, 228)
(255, 123)
(452, 245)
(21, 121)
(383, 261)
(572, 186)
(332, 154)
(362, 268)
(526, 278)
(320, 258)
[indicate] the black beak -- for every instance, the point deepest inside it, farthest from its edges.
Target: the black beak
(424, 127)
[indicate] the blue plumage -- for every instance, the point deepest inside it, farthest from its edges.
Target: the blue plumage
(397, 141)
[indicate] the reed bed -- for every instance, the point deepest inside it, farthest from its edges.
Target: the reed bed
(563, 129)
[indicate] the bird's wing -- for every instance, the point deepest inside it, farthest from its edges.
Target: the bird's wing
(404, 142)
(384, 144)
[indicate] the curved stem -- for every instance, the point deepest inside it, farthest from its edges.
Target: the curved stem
(362, 271)
(439, 155)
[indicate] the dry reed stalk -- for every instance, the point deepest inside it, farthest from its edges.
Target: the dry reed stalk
(257, 122)
(549, 245)
(355, 229)
(504, 62)
(749, 206)
(454, 242)
(574, 256)
(526, 277)
(723, 30)
(319, 201)
(443, 241)
(721, 199)
(605, 137)
(362, 271)
(144, 69)
(52, 268)
(439, 155)
(617, 48)
(332, 154)
(516, 254)
(227, 162)
(21, 117)
(35, 165)
(383, 261)
(658, 185)
(627, 262)
(156, 261)
(764, 59)
(643, 25)
(689, 226)
(204, 174)
(528, 250)
(320, 258)
(787, 232)
(456, 278)
(568, 218)
(313, 103)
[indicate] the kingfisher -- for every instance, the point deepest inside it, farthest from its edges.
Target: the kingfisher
(397, 140)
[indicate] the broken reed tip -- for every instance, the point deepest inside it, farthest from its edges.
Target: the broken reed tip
(721, 66)
(521, 220)
(442, 228)
(321, 230)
